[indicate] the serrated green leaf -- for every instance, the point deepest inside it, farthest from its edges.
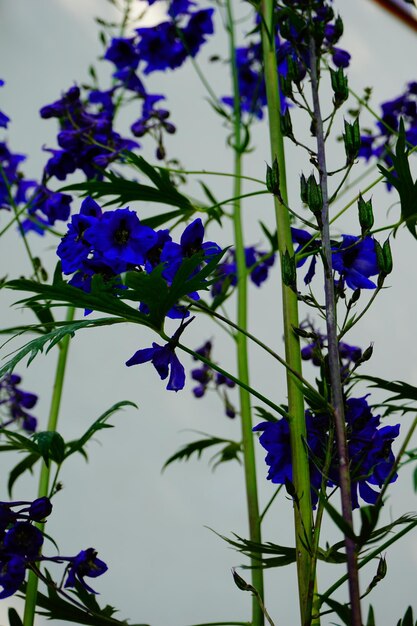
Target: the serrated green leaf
(196, 447)
(36, 346)
(55, 607)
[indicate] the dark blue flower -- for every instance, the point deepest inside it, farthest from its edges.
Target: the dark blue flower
(12, 575)
(355, 260)
(165, 361)
(85, 564)
(15, 403)
(23, 539)
(119, 236)
(122, 53)
(370, 455)
(341, 58)
(39, 509)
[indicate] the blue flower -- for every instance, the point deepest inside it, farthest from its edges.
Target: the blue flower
(370, 455)
(165, 361)
(355, 260)
(85, 564)
(12, 575)
(16, 402)
(119, 236)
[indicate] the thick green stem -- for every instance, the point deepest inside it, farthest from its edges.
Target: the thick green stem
(301, 474)
(241, 339)
(43, 489)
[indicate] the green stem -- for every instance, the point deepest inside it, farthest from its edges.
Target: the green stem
(241, 339)
(43, 489)
(301, 474)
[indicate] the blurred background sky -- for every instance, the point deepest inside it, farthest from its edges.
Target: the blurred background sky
(166, 567)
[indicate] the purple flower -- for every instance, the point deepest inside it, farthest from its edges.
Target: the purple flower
(12, 575)
(119, 236)
(85, 564)
(15, 401)
(370, 454)
(355, 260)
(165, 361)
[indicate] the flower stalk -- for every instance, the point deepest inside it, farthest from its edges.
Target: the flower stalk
(301, 474)
(43, 489)
(241, 339)
(333, 345)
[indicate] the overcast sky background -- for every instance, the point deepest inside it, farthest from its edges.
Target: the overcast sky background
(165, 567)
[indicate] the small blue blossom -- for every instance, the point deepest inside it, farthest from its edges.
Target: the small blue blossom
(85, 564)
(207, 378)
(355, 260)
(165, 361)
(14, 403)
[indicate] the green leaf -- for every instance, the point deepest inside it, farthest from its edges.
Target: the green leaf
(371, 618)
(55, 607)
(25, 465)
(195, 447)
(14, 618)
(256, 551)
(401, 179)
(51, 446)
(342, 610)
(77, 445)
(265, 415)
(401, 390)
(408, 619)
(36, 346)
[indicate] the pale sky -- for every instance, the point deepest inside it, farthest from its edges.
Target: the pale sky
(165, 567)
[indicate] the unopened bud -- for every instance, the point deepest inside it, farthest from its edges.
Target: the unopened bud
(352, 140)
(339, 86)
(366, 214)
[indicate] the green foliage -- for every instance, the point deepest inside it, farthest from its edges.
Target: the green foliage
(55, 605)
(50, 446)
(14, 618)
(408, 619)
(401, 179)
(231, 451)
(126, 191)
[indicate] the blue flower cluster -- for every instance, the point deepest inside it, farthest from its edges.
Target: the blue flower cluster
(158, 48)
(115, 242)
(369, 447)
(207, 378)
(293, 56)
(44, 206)
(166, 45)
(354, 258)
(112, 243)
(21, 542)
(376, 144)
(258, 263)
(14, 403)
(87, 140)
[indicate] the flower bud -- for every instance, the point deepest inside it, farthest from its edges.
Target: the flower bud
(272, 178)
(339, 86)
(286, 124)
(352, 140)
(40, 508)
(314, 195)
(288, 271)
(366, 215)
